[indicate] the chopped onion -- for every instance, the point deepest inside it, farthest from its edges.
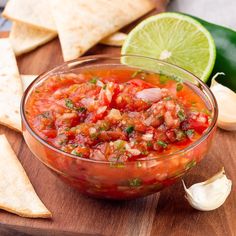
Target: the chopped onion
(101, 109)
(147, 137)
(114, 114)
(151, 94)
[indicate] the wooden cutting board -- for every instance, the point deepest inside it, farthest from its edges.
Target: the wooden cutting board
(167, 213)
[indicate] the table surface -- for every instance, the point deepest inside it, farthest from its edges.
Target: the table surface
(167, 213)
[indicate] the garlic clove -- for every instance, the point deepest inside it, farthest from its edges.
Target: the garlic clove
(116, 39)
(226, 100)
(210, 194)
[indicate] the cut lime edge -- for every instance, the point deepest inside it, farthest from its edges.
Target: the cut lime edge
(206, 74)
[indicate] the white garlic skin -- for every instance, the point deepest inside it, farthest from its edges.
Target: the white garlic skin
(210, 194)
(226, 100)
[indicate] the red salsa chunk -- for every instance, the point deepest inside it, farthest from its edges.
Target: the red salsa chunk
(113, 114)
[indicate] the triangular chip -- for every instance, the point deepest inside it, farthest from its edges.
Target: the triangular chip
(27, 80)
(83, 23)
(10, 87)
(33, 12)
(25, 38)
(17, 194)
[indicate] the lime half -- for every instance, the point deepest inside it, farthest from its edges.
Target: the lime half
(174, 38)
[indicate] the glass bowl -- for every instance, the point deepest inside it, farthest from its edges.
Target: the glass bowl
(131, 179)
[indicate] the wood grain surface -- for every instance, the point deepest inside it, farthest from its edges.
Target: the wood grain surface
(167, 213)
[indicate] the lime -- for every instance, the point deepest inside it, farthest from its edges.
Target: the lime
(174, 38)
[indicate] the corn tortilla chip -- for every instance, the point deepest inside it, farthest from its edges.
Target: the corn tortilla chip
(27, 80)
(33, 12)
(25, 38)
(81, 24)
(10, 87)
(17, 194)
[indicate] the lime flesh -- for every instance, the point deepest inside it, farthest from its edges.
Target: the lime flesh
(174, 38)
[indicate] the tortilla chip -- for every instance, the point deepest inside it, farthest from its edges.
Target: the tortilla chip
(27, 80)
(17, 194)
(10, 87)
(81, 24)
(25, 38)
(33, 12)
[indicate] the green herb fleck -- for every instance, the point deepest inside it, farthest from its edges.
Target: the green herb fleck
(136, 182)
(180, 135)
(94, 80)
(69, 103)
(144, 153)
(181, 115)
(129, 129)
(162, 144)
(167, 98)
(190, 133)
(149, 144)
(191, 164)
(81, 109)
(37, 91)
(104, 86)
(76, 153)
(207, 112)
(179, 87)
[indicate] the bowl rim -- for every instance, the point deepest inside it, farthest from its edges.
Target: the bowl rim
(42, 76)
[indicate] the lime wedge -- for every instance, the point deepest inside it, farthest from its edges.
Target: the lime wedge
(174, 38)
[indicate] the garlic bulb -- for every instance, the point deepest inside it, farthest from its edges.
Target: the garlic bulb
(226, 100)
(209, 195)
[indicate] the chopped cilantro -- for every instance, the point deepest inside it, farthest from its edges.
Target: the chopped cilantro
(167, 98)
(181, 115)
(162, 144)
(179, 87)
(69, 103)
(190, 133)
(180, 135)
(141, 73)
(136, 182)
(190, 164)
(149, 143)
(81, 109)
(129, 129)
(76, 153)
(94, 80)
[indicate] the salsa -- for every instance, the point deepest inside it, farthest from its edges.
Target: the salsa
(117, 114)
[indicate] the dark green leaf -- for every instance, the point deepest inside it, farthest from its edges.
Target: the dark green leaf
(129, 129)
(190, 133)
(162, 144)
(69, 103)
(94, 80)
(149, 143)
(76, 153)
(181, 115)
(81, 109)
